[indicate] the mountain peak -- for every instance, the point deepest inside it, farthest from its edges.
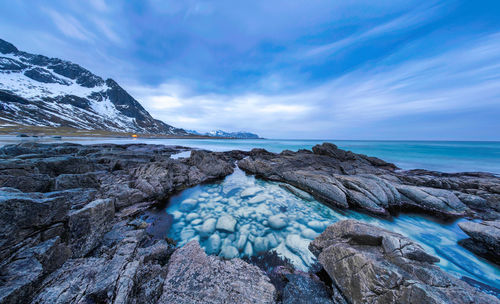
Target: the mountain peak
(41, 91)
(7, 47)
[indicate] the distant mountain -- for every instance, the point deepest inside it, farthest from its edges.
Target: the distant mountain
(220, 133)
(41, 91)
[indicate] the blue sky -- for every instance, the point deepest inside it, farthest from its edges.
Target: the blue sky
(286, 69)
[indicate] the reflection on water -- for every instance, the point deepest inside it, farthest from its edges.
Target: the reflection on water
(242, 216)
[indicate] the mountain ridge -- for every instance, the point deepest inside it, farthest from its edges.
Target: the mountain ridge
(41, 91)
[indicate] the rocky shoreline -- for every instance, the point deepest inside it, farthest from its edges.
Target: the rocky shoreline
(71, 233)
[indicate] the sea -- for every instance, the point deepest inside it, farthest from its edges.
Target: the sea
(445, 156)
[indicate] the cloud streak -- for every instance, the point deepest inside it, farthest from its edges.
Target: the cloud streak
(363, 97)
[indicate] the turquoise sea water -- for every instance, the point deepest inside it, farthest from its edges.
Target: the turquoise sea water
(446, 156)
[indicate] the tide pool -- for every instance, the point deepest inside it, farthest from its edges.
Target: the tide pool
(242, 216)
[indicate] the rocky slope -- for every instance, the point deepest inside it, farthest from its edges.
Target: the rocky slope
(40, 91)
(71, 229)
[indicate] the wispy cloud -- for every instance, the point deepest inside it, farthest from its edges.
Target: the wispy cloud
(460, 79)
(69, 26)
(403, 23)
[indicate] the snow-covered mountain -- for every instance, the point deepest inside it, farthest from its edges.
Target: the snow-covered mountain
(41, 91)
(220, 133)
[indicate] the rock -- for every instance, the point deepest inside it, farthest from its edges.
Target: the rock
(242, 240)
(316, 225)
(250, 192)
(213, 244)
(226, 223)
(302, 289)
(71, 181)
(370, 264)
(187, 233)
(272, 241)
(248, 249)
(177, 215)
(194, 277)
(196, 221)
(188, 204)
(309, 233)
(277, 221)
(191, 216)
(138, 223)
(24, 274)
(433, 200)
(348, 180)
(260, 244)
(207, 228)
(484, 239)
(229, 252)
(298, 245)
(88, 225)
(258, 199)
(473, 201)
(23, 214)
(297, 192)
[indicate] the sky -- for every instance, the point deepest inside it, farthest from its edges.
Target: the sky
(305, 69)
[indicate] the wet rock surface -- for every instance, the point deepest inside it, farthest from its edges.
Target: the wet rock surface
(484, 239)
(372, 265)
(347, 180)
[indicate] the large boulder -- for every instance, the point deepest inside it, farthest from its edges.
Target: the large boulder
(372, 265)
(484, 238)
(194, 277)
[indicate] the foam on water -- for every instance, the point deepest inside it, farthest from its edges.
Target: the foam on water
(242, 215)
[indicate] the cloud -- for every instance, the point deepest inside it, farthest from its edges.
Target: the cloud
(69, 26)
(460, 79)
(403, 23)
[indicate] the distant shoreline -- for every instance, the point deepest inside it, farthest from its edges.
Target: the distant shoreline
(40, 132)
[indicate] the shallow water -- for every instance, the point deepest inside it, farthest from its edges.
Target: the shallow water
(446, 156)
(252, 203)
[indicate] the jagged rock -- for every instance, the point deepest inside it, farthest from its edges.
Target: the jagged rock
(194, 277)
(89, 224)
(434, 200)
(22, 215)
(348, 180)
(370, 264)
(21, 277)
(71, 181)
(302, 289)
(484, 239)
(93, 279)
